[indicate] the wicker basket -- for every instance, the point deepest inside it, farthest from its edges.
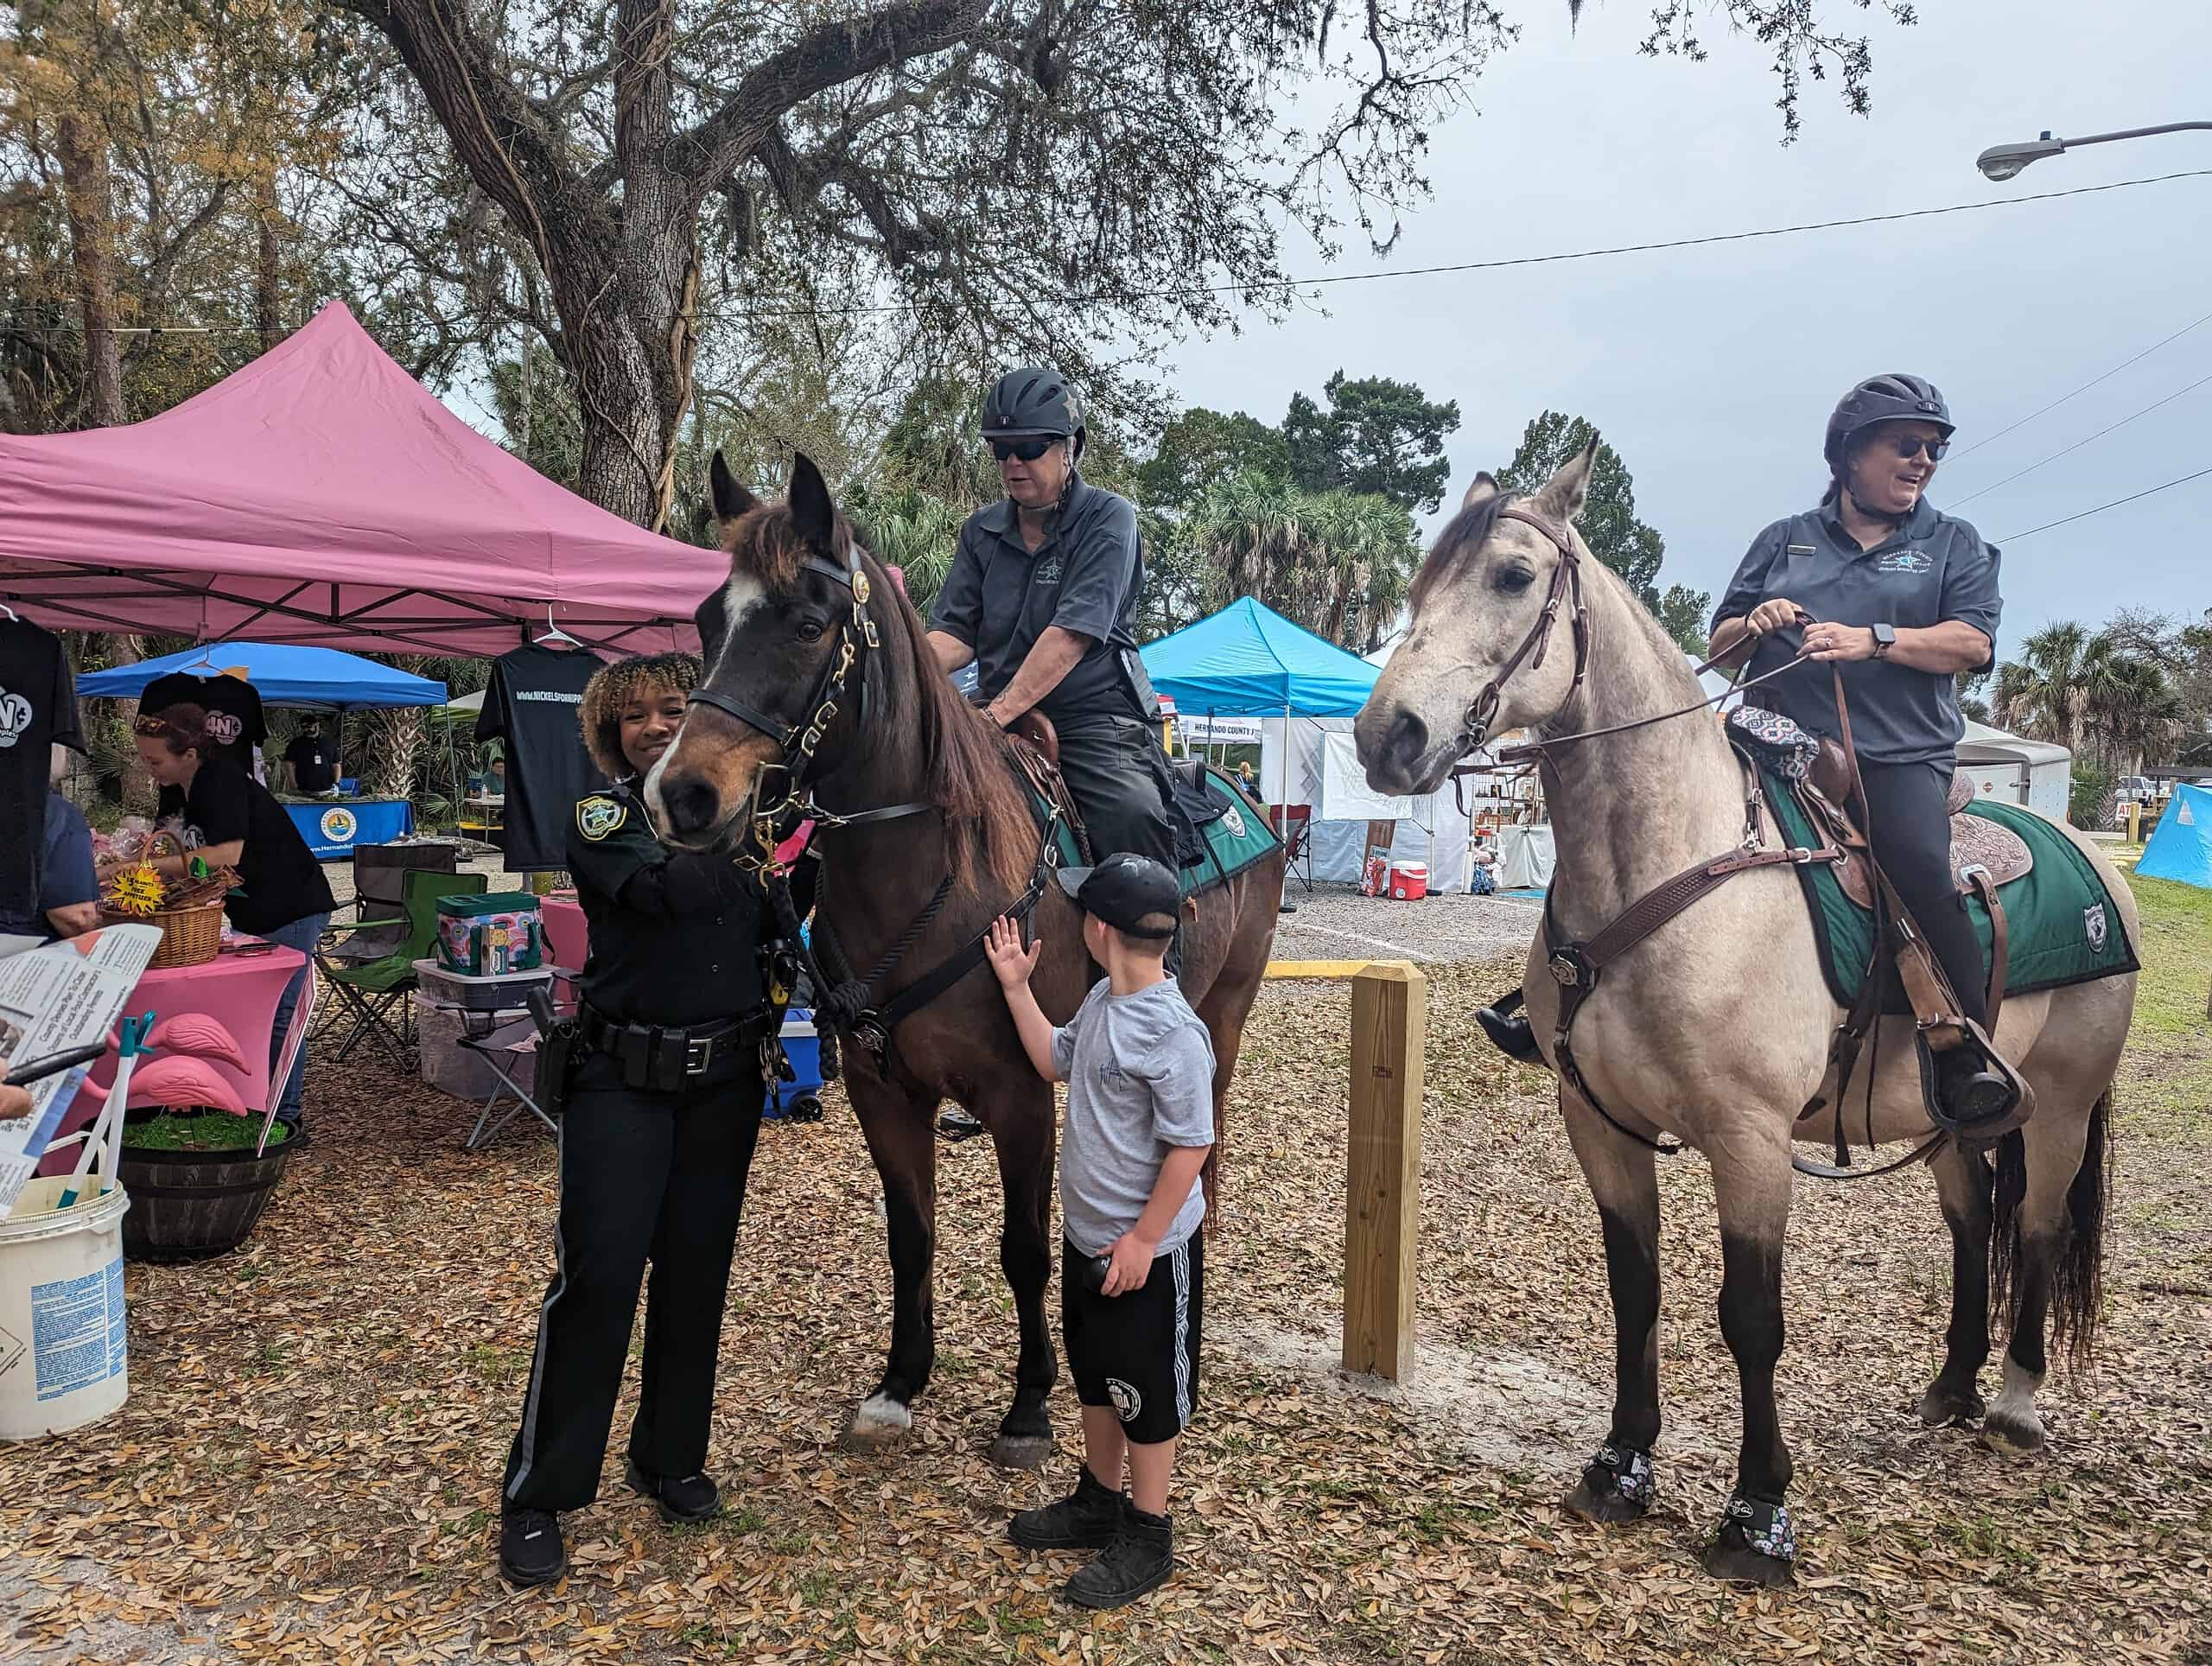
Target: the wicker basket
(190, 936)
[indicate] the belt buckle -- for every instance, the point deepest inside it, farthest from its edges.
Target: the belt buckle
(698, 1054)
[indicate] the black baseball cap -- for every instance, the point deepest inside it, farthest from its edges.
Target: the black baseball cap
(1123, 889)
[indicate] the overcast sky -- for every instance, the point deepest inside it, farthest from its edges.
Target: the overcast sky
(1712, 370)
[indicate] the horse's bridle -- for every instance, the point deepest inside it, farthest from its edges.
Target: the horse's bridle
(1566, 583)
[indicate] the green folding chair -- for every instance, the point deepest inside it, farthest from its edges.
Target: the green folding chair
(373, 994)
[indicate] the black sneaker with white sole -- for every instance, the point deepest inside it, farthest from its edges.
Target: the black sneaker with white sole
(1140, 1558)
(531, 1551)
(1087, 1519)
(691, 1498)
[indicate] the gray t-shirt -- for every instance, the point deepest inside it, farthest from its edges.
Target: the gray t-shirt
(1140, 1075)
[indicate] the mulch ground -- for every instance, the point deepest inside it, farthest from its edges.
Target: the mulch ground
(307, 1465)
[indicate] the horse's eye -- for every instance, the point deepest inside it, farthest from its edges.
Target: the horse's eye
(1514, 580)
(809, 631)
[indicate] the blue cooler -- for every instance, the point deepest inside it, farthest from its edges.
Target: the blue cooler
(798, 1100)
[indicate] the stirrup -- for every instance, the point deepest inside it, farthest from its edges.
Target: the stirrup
(2014, 1101)
(1513, 1036)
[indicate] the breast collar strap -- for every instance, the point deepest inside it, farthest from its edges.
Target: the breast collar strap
(1567, 585)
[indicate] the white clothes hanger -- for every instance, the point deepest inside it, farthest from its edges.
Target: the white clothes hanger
(553, 633)
(10, 612)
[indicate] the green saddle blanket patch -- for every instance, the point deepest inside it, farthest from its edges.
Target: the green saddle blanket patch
(1234, 839)
(2061, 924)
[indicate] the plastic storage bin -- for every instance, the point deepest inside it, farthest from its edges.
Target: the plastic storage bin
(493, 992)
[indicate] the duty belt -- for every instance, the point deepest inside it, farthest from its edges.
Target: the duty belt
(666, 1056)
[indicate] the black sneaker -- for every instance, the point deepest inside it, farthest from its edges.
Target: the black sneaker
(531, 1551)
(1087, 1519)
(1139, 1560)
(692, 1498)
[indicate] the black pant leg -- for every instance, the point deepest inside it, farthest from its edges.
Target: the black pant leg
(616, 1146)
(1114, 767)
(715, 1131)
(1912, 840)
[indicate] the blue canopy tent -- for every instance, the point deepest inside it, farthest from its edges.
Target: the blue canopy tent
(281, 674)
(2181, 846)
(1248, 661)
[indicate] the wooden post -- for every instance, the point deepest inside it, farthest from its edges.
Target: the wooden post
(1389, 1030)
(2134, 822)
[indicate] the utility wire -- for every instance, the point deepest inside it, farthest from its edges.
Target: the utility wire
(2084, 388)
(2148, 491)
(2078, 444)
(1504, 263)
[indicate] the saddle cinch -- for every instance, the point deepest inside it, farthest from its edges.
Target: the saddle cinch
(1985, 858)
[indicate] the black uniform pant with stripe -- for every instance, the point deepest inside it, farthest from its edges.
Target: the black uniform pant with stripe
(657, 1176)
(1911, 833)
(1116, 773)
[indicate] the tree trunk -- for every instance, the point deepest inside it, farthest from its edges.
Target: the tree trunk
(83, 157)
(267, 281)
(135, 786)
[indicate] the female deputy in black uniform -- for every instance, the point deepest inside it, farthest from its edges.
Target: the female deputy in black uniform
(1903, 598)
(662, 1110)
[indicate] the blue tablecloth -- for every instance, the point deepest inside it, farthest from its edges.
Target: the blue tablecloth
(332, 827)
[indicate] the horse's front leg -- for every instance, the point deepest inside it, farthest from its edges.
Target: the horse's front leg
(896, 1125)
(1019, 1116)
(1751, 1182)
(1962, 1183)
(1618, 1482)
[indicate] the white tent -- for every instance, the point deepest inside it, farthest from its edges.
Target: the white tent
(2030, 772)
(1322, 769)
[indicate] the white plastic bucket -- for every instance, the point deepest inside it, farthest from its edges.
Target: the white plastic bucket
(64, 1361)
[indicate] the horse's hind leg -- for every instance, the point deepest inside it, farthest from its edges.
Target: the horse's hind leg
(896, 1125)
(2050, 1204)
(1021, 1124)
(1962, 1184)
(1617, 1485)
(1752, 1184)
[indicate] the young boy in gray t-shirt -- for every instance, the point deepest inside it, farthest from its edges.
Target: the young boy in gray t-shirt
(1138, 1065)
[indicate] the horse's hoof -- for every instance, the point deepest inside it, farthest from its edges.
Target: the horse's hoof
(1022, 1451)
(881, 1424)
(2009, 1437)
(1946, 1408)
(1741, 1564)
(1607, 1505)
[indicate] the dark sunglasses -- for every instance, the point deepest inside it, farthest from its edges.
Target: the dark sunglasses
(1910, 446)
(1028, 450)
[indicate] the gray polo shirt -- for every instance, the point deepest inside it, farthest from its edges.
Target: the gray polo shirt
(999, 597)
(1140, 1075)
(1933, 568)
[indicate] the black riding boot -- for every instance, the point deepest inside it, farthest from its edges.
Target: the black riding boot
(1510, 1033)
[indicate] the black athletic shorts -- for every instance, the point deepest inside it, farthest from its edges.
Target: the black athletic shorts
(1138, 1352)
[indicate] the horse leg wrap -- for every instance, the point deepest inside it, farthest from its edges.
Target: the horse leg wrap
(1760, 1527)
(1624, 1473)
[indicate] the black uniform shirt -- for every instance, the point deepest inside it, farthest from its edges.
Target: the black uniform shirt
(279, 879)
(674, 934)
(1933, 568)
(314, 762)
(1085, 577)
(235, 723)
(38, 709)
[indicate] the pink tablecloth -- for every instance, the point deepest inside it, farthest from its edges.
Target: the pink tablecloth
(568, 937)
(238, 991)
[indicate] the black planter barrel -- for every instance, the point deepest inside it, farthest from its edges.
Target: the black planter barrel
(187, 1205)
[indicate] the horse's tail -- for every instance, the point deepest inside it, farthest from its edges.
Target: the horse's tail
(2077, 1270)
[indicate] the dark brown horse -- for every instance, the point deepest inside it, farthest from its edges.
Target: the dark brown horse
(902, 734)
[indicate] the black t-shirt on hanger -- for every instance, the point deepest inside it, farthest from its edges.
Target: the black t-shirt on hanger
(38, 709)
(532, 705)
(235, 724)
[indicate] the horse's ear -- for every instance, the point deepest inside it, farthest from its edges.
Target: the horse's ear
(731, 499)
(1480, 493)
(1566, 493)
(812, 511)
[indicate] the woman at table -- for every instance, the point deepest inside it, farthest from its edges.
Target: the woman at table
(660, 1115)
(228, 819)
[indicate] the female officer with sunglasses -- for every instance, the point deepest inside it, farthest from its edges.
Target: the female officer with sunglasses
(1902, 597)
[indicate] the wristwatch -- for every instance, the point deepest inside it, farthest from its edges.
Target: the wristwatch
(1885, 638)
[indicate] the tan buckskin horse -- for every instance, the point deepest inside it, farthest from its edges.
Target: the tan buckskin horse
(1714, 1029)
(941, 843)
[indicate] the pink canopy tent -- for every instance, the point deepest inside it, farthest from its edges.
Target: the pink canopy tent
(322, 496)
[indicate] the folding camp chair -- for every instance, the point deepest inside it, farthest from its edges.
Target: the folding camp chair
(372, 992)
(502, 1048)
(1294, 825)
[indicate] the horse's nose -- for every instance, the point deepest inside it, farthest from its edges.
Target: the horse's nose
(1406, 740)
(689, 804)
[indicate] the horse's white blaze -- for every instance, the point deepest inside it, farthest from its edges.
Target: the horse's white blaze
(880, 1411)
(739, 597)
(653, 805)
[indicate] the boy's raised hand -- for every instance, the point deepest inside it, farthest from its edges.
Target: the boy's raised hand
(1002, 947)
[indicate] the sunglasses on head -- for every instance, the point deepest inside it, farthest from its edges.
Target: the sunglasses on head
(1910, 446)
(1028, 450)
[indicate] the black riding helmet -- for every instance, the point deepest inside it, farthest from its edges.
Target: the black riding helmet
(1883, 399)
(1030, 400)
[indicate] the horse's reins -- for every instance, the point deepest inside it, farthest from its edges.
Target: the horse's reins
(1576, 967)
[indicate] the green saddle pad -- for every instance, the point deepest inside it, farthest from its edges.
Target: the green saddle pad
(2062, 926)
(1234, 839)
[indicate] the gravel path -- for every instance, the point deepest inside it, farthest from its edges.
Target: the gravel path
(1336, 923)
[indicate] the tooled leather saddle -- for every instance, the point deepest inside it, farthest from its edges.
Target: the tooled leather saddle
(1980, 848)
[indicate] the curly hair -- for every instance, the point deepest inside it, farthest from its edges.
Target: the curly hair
(613, 687)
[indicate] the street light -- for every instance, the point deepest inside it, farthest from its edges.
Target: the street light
(2002, 162)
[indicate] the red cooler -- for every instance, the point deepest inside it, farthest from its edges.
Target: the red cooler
(1408, 880)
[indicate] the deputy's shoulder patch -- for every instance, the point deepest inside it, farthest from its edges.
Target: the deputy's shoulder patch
(599, 815)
